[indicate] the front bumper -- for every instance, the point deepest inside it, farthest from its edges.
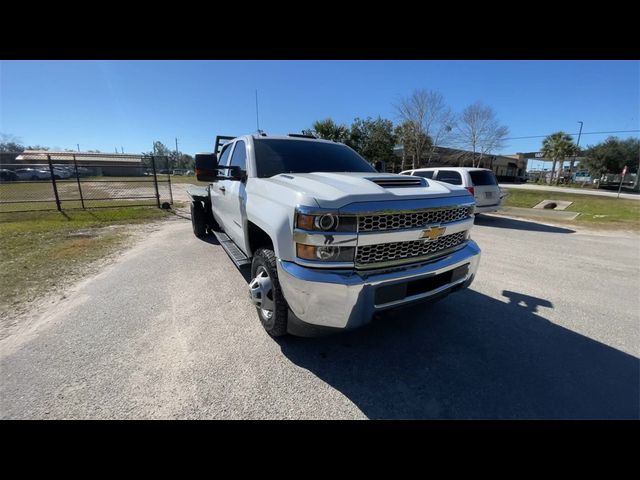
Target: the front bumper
(348, 299)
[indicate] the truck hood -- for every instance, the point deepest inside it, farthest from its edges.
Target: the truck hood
(334, 190)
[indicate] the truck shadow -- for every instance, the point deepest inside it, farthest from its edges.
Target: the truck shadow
(472, 356)
(503, 222)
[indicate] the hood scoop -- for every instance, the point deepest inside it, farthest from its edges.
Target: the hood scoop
(396, 182)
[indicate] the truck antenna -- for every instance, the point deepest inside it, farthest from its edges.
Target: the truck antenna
(257, 120)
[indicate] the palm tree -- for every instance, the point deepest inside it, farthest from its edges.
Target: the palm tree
(558, 146)
(330, 130)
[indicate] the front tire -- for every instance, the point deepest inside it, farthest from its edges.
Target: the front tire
(266, 293)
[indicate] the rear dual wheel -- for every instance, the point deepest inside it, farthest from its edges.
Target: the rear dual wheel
(202, 219)
(198, 219)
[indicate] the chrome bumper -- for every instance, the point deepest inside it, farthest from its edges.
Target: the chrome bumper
(346, 299)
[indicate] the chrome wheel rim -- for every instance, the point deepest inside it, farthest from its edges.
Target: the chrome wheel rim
(261, 292)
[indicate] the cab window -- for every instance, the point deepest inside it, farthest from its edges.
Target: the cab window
(423, 174)
(224, 156)
(239, 157)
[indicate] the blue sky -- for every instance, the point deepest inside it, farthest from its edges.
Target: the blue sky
(108, 104)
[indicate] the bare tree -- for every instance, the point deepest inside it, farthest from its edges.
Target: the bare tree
(405, 136)
(431, 122)
(478, 130)
(440, 123)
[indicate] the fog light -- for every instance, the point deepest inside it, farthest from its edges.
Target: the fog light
(327, 253)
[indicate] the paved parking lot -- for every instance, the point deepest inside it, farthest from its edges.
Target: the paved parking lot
(549, 329)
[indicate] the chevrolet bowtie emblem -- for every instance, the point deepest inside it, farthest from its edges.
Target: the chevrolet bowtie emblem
(433, 233)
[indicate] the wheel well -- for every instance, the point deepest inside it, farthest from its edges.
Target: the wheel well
(258, 238)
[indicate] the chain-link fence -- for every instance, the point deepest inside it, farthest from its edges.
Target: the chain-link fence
(49, 181)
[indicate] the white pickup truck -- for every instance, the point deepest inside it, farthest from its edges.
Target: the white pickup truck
(330, 240)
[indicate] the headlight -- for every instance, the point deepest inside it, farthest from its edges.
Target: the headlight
(326, 222)
(325, 253)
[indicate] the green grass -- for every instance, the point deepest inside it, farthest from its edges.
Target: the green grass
(185, 179)
(595, 211)
(18, 196)
(42, 251)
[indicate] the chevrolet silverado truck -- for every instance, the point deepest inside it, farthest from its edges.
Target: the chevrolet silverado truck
(330, 240)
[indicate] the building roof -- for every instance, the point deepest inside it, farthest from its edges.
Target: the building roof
(83, 157)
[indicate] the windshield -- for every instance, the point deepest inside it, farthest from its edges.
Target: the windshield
(301, 156)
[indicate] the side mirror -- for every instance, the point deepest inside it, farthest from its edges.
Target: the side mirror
(236, 173)
(206, 167)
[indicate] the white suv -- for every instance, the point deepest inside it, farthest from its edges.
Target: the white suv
(481, 183)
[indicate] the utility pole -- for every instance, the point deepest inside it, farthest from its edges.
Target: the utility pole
(578, 149)
(78, 146)
(177, 155)
(579, 133)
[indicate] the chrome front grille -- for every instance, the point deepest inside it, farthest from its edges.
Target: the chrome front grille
(390, 252)
(397, 221)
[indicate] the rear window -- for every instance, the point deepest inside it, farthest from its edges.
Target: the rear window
(275, 156)
(423, 174)
(483, 177)
(449, 176)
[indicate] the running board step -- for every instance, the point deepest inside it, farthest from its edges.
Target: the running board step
(232, 249)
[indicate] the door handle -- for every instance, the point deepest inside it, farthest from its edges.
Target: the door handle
(222, 189)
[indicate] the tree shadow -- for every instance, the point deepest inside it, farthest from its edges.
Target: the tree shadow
(472, 356)
(504, 222)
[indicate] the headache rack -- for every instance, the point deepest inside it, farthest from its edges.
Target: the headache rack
(302, 135)
(221, 140)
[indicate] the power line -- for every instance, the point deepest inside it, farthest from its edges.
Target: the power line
(583, 133)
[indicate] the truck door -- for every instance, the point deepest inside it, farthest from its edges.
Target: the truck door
(235, 197)
(218, 189)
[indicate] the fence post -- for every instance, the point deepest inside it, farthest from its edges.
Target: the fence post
(169, 180)
(155, 179)
(75, 164)
(53, 182)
